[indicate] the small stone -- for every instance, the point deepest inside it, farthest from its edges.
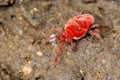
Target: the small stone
(27, 68)
(68, 53)
(82, 72)
(21, 0)
(3, 65)
(39, 53)
(20, 32)
(31, 39)
(20, 17)
(35, 9)
(26, 28)
(53, 41)
(29, 47)
(103, 61)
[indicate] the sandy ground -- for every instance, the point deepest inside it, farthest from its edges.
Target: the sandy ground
(25, 25)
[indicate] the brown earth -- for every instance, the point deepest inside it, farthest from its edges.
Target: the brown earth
(26, 24)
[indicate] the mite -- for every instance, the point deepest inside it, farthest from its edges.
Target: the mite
(75, 29)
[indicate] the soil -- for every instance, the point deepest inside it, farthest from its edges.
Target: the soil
(26, 24)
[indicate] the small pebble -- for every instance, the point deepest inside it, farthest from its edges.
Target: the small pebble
(20, 31)
(103, 61)
(21, 0)
(29, 47)
(31, 39)
(68, 53)
(39, 53)
(27, 68)
(20, 17)
(53, 41)
(34, 10)
(82, 72)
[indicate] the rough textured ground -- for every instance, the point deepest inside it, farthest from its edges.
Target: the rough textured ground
(25, 25)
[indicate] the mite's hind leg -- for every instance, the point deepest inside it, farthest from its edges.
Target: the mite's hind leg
(94, 33)
(74, 47)
(96, 26)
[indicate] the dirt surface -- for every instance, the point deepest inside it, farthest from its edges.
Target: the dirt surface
(25, 25)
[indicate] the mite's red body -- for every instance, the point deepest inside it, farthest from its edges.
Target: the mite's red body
(75, 29)
(78, 26)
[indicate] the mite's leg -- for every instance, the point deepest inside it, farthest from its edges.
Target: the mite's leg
(59, 52)
(94, 33)
(74, 48)
(96, 26)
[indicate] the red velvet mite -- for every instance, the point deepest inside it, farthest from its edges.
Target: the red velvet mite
(76, 28)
